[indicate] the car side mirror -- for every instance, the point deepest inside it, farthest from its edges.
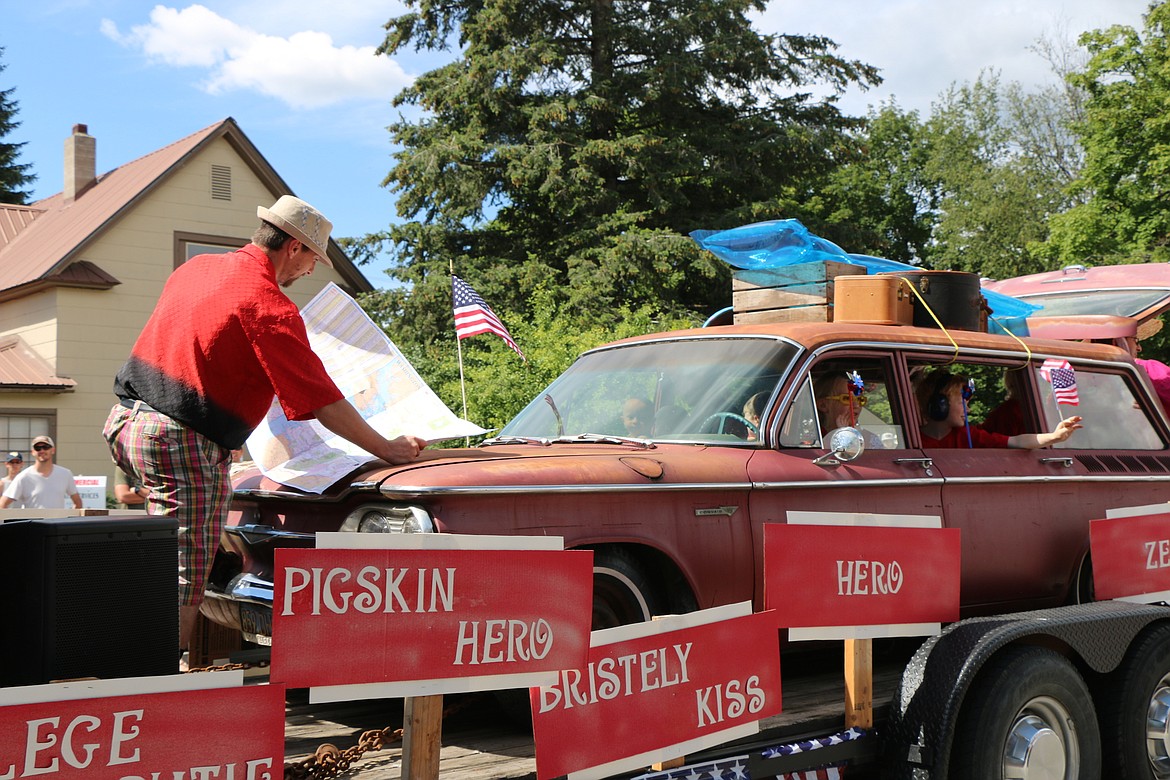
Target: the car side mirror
(845, 444)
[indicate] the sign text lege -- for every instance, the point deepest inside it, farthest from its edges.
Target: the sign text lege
(859, 575)
(147, 736)
(359, 616)
(1131, 557)
(657, 690)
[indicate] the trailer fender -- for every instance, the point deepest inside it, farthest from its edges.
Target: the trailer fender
(922, 717)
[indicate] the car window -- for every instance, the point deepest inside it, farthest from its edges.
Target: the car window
(1125, 303)
(685, 389)
(994, 397)
(1113, 418)
(828, 398)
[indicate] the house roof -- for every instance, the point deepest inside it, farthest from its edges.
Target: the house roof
(40, 243)
(24, 370)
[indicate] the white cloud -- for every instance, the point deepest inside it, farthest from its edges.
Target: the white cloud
(305, 70)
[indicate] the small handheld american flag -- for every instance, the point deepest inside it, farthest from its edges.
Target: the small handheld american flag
(1064, 381)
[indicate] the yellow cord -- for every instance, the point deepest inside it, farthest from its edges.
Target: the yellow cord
(933, 316)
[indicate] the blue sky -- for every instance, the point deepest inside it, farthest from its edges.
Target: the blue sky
(302, 80)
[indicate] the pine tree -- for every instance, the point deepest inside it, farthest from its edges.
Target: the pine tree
(14, 176)
(576, 143)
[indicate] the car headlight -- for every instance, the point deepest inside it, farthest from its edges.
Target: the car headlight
(381, 519)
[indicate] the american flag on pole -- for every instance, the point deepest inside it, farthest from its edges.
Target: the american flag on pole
(473, 316)
(1063, 379)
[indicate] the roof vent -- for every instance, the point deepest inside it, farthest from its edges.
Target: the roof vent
(221, 182)
(80, 163)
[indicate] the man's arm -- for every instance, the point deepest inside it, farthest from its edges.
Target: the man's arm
(5, 502)
(344, 420)
(76, 500)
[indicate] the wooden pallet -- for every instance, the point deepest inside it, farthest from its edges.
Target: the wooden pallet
(795, 293)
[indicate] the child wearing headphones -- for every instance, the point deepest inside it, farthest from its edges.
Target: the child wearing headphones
(944, 418)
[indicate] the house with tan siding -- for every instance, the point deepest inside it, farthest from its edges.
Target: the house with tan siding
(80, 273)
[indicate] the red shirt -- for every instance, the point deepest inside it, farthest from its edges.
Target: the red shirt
(957, 438)
(222, 341)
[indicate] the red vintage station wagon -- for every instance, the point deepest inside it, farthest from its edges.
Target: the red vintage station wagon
(673, 499)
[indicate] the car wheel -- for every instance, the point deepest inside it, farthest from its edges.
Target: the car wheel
(1028, 715)
(622, 593)
(1135, 709)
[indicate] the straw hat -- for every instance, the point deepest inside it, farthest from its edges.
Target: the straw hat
(302, 222)
(1148, 328)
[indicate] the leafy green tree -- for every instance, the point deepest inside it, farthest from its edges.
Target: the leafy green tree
(14, 176)
(883, 202)
(576, 143)
(998, 186)
(1124, 192)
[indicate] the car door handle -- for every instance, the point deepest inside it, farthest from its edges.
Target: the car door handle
(926, 463)
(1066, 462)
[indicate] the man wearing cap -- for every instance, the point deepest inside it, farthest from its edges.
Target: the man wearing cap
(44, 486)
(14, 462)
(223, 339)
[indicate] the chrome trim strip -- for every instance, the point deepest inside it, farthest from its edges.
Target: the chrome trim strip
(822, 484)
(416, 491)
(287, 495)
(266, 531)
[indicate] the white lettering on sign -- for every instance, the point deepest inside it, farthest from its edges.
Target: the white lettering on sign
(624, 675)
(717, 703)
(43, 734)
(1158, 554)
(373, 590)
(256, 769)
(503, 641)
(868, 578)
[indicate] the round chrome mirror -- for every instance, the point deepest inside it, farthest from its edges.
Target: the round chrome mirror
(846, 443)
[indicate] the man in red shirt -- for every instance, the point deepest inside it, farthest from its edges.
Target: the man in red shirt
(222, 341)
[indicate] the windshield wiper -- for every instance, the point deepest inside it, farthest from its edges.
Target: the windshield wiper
(515, 440)
(603, 438)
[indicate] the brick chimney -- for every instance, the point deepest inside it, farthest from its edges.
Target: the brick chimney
(80, 162)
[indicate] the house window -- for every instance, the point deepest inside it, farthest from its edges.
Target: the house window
(187, 245)
(18, 428)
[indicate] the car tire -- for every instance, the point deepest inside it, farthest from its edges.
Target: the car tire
(1028, 714)
(1135, 709)
(622, 593)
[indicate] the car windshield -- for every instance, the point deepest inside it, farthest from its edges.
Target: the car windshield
(1124, 303)
(693, 389)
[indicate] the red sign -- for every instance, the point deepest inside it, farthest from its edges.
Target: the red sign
(905, 580)
(1131, 557)
(233, 732)
(488, 618)
(655, 691)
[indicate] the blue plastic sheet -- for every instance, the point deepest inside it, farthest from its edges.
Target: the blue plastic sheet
(781, 242)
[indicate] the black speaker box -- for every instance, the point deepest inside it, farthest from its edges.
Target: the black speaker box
(88, 597)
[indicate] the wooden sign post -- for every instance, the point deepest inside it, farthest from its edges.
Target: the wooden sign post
(859, 683)
(422, 736)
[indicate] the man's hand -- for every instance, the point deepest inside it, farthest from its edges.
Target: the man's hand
(403, 449)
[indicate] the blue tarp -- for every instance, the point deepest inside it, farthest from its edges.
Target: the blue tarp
(781, 242)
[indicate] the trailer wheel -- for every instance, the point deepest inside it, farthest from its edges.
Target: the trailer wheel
(1136, 710)
(1028, 716)
(622, 593)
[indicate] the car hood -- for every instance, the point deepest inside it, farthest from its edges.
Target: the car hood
(505, 468)
(1139, 290)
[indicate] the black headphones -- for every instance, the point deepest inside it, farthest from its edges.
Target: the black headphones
(938, 406)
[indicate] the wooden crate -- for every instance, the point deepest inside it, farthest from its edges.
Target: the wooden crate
(212, 643)
(795, 293)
